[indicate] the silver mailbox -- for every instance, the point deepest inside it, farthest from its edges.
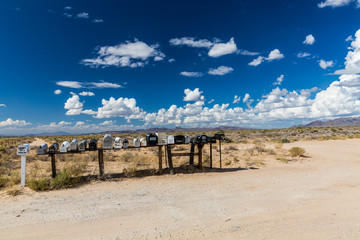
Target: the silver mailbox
(74, 145)
(143, 142)
(118, 142)
(136, 142)
(187, 139)
(42, 149)
(64, 147)
(82, 145)
(125, 143)
(170, 139)
(108, 141)
(162, 138)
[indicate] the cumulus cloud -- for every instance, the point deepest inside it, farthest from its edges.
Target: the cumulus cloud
(334, 3)
(121, 107)
(222, 70)
(129, 54)
(75, 84)
(57, 92)
(67, 8)
(68, 15)
(2, 105)
(211, 101)
(257, 61)
(73, 105)
(352, 59)
(309, 40)
(279, 80)
(349, 39)
(90, 94)
(247, 53)
(274, 55)
(97, 20)
(303, 54)
(194, 95)
(14, 123)
(191, 74)
(82, 15)
(191, 42)
(325, 64)
(220, 49)
(108, 123)
(236, 99)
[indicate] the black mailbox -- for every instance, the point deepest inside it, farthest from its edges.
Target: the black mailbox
(211, 140)
(219, 136)
(196, 139)
(179, 139)
(93, 145)
(152, 139)
(53, 148)
(204, 139)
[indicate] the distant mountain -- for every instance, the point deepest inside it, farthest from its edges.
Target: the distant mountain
(338, 122)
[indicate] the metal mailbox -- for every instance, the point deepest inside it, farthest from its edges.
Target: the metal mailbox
(82, 145)
(118, 143)
(108, 141)
(125, 143)
(143, 142)
(53, 148)
(187, 139)
(74, 145)
(199, 139)
(152, 139)
(93, 145)
(219, 136)
(136, 142)
(211, 140)
(64, 147)
(170, 139)
(42, 149)
(162, 138)
(179, 139)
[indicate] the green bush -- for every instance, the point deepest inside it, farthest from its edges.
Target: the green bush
(4, 181)
(62, 180)
(39, 184)
(297, 151)
(285, 140)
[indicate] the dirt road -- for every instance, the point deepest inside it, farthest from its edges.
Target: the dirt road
(317, 198)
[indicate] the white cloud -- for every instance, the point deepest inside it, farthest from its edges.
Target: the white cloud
(171, 60)
(303, 54)
(2, 105)
(191, 74)
(79, 124)
(279, 80)
(57, 92)
(334, 3)
(352, 59)
(121, 107)
(108, 123)
(257, 61)
(309, 40)
(14, 123)
(90, 94)
(222, 70)
(97, 20)
(73, 105)
(194, 95)
(246, 98)
(84, 15)
(75, 84)
(274, 55)
(247, 53)
(325, 64)
(68, 15)
(129, 54)
(67, 8)
(220, 49)
(349, 39)
(63, 123)
(211, 101)
(89, 112)
(236, 99)
(191, 42)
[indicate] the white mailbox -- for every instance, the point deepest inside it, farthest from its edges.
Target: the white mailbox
(143, 142)
(82, 145)
(64, 147)
(125, 143)
(74, 145)
(41, 150)
(187, 139)
(118, 142)
(170, 139)
(136, 142)
(24, 149)
(108, 141)
(162, 138)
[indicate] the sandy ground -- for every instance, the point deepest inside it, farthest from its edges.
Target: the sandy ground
(316, 198)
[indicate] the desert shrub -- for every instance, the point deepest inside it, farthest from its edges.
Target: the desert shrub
(297, 151)
(129, 172)
(281, 158)
(227, 163)
(4, 181)
(231, 148)
(180, 148)
(285, 140)
(14, 179)
(39, 184)
(236, 160)
(126, 157)
(62, 180)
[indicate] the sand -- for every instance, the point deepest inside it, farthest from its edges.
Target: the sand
(315, 198)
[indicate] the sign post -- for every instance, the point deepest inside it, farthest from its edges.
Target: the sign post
(22, 150)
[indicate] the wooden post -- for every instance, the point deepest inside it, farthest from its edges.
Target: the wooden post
(200, 147)
(101, 162)
(170, 159)
(53, 165)
(160, 160)
(210, 155)
(191, 161)
(220, 152)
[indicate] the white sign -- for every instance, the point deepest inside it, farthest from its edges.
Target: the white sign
(23, 150)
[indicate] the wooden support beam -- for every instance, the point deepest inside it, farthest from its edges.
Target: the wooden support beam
(183, 154)
(53, 166)
(101, 162)
(191, 161)
(170, 159)
(210, 155)
(220, 152)
(160, 160)
(200, 147)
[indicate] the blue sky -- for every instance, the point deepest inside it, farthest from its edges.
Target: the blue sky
(90, 66)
